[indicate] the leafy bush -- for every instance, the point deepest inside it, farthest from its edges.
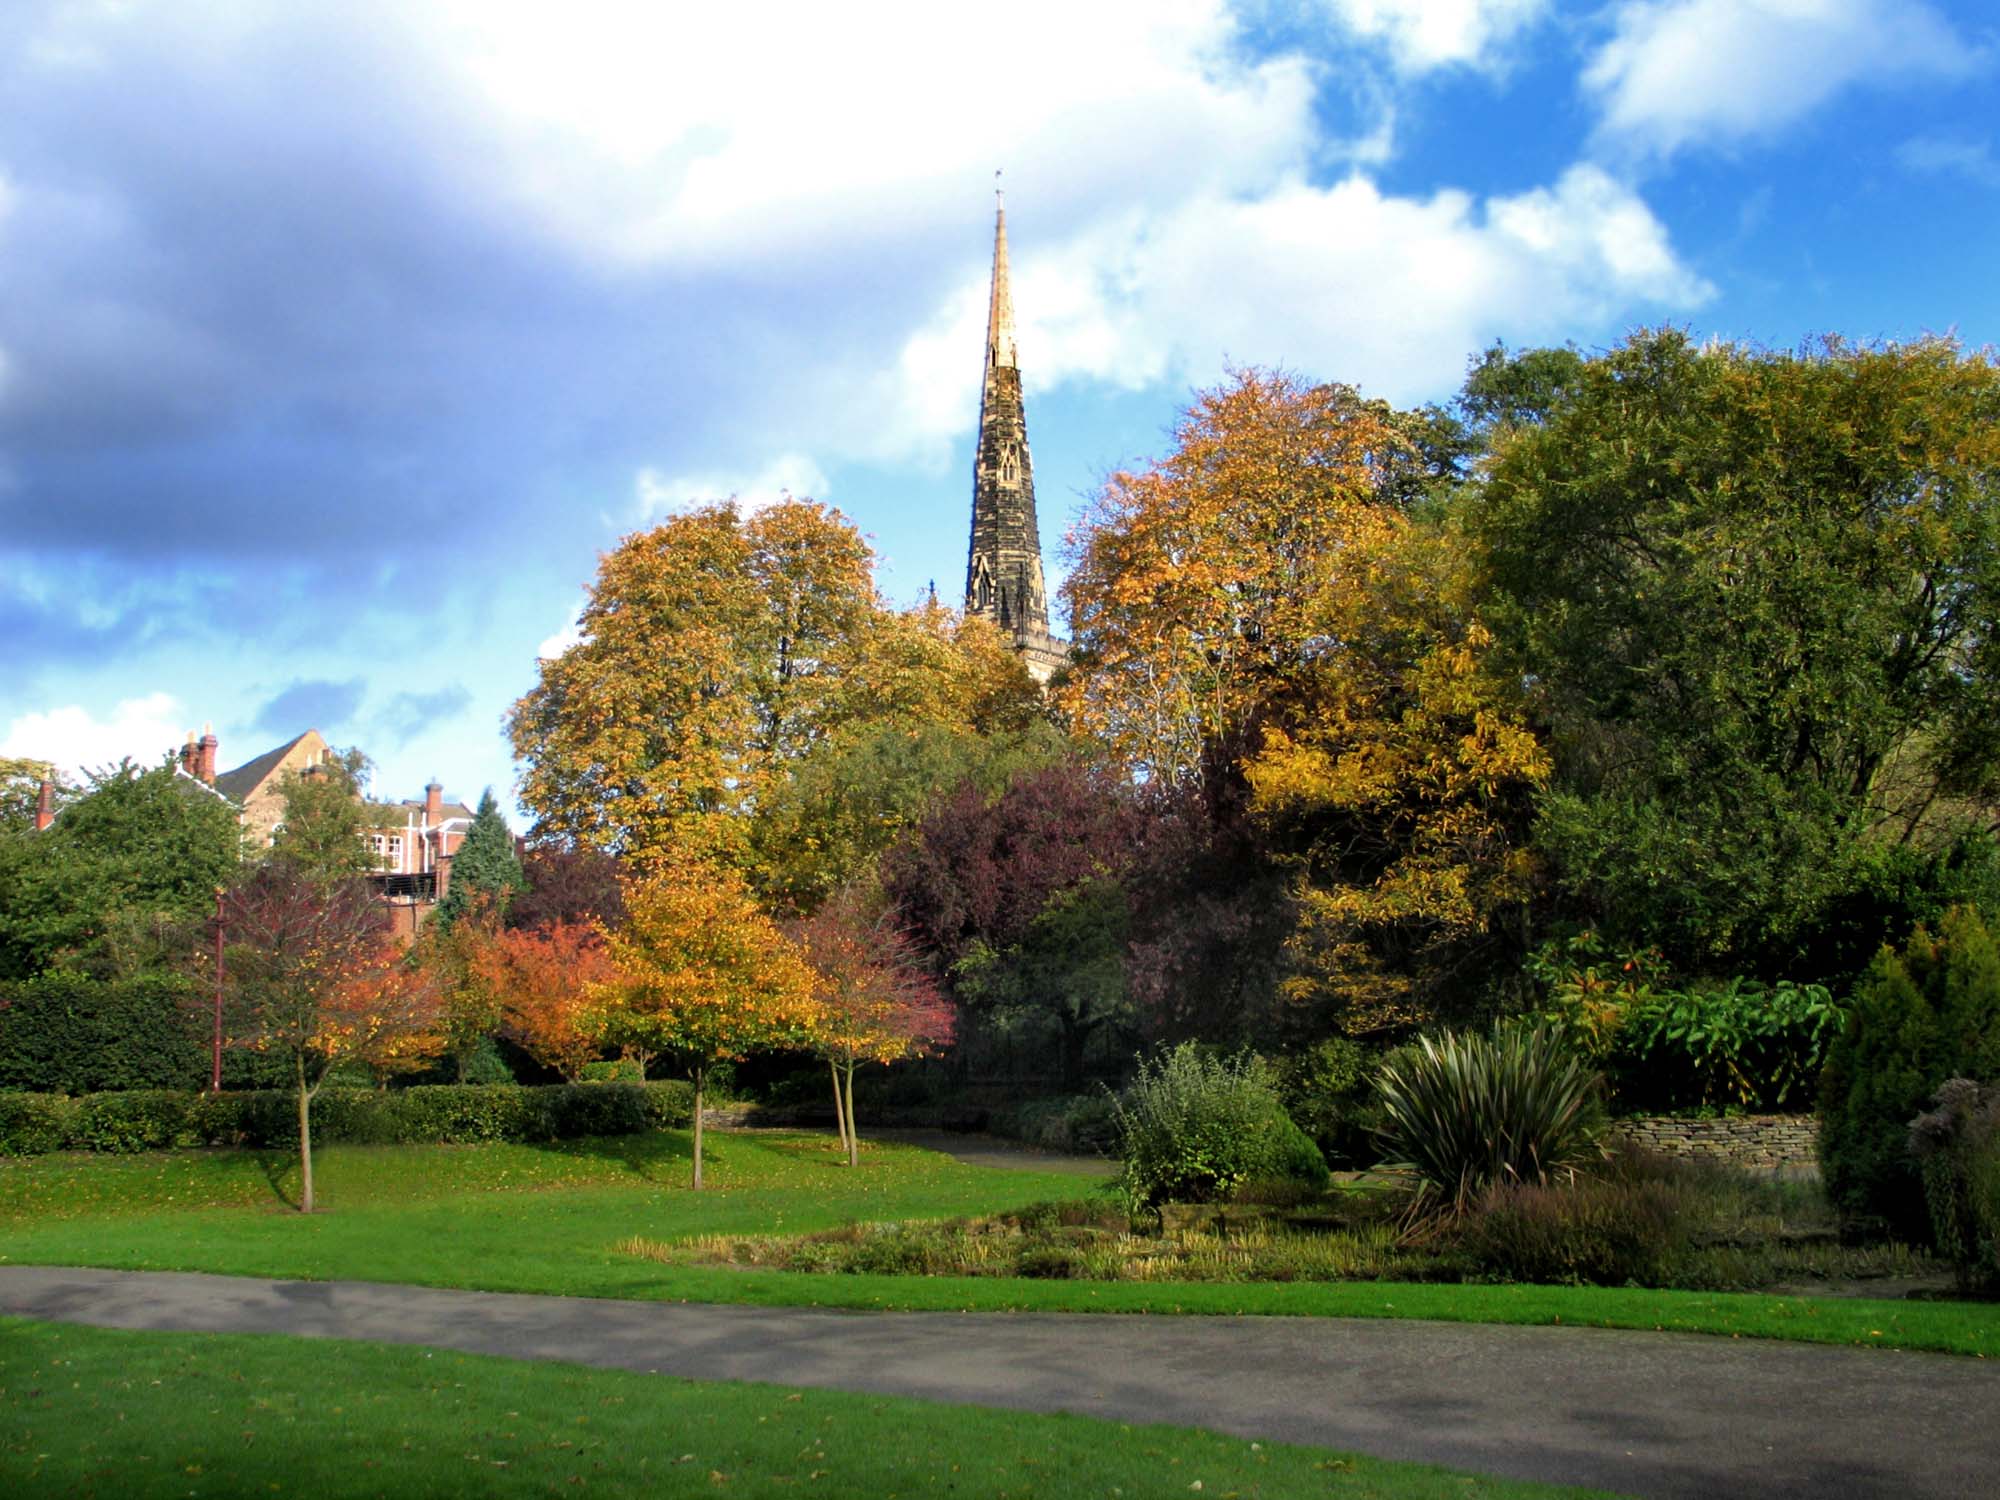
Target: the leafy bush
(436, 1114)
(31, 1124)
(1920, 1016)
(141, 1120)
(615, 1070)
(1591, 1230)
(1735, 1042)
(1957, 1147)
(1466, 1111)
(1192, 1126)
(1326, 1089)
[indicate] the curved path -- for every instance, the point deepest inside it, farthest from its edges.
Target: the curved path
(1642, 1413)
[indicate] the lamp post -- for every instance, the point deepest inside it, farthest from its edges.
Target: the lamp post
(215, 1073)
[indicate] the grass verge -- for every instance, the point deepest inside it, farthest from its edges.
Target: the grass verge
(550, 1219)
(87, 1412)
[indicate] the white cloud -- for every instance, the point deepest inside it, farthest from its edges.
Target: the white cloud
(1426, 34)
(1681, 72)
(77, 740)
(789, 475)
(1343, 282)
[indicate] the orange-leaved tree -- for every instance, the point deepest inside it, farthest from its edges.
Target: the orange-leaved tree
(878, 1001)
(545, 979)
(468, 1003)
(315, 979)
(389, 1016)
(702, 972)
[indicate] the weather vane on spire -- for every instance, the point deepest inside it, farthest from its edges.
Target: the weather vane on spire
(999, 193)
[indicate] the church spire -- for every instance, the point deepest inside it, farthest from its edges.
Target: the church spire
(1003, 573)
(1000, 311)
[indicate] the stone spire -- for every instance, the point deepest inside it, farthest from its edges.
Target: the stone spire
(1003, 571)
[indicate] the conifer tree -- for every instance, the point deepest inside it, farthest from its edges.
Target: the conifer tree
(485, 865)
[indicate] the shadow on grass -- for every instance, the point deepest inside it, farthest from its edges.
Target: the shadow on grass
(277, 1166)
(660, 1157)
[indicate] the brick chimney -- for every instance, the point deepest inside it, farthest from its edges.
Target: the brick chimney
(45, 807)
(204, 763)
(434, 803)
(189, 754)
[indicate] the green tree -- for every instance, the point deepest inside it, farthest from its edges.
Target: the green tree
(21, 788)
(485, 868)
(1755, 594)
(111, 885)
(325, 829)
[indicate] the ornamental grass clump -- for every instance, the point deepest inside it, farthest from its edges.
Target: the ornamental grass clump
(1464, 1111)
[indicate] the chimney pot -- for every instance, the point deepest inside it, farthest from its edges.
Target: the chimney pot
(45, 806)
(205, 759)
(434, 803)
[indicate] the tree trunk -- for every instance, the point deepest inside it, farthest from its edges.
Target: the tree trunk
(459, 1061)
(700, 1077)
(839, 1111)
(853, 1133)
(305, 1140)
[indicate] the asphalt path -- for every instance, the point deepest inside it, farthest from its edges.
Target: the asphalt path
(1663, 1415)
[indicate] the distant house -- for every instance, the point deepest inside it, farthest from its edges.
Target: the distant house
(413, 841)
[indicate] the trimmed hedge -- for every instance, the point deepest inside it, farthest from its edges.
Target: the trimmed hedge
(72, 1034)
(440, 1114)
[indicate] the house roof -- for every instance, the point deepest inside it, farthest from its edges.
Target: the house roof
(395, 814)
(237, 785)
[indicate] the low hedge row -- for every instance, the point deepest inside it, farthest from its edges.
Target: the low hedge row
(440, 1114)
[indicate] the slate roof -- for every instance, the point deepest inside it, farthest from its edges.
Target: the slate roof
(395, 814)
(237, 785)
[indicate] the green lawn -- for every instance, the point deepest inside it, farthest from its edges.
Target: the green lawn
(89, 1412)
(549, 1219)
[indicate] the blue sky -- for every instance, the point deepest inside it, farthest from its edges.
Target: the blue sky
(339, 337)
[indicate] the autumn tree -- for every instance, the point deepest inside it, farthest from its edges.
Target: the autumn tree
(469, 1005)
(315, 980)
(324, 833)
(1265, 629)
(703, 973)
(711, 646)
(579, 885)
(484, 868)
(1756, 594)
(878, 1003)
(546, 980)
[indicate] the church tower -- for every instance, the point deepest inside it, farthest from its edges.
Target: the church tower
(1003, 570)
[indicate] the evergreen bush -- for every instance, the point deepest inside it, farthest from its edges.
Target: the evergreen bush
(1957, 1147)
(71, 1033)
(442, 1114)
(1928, 1013)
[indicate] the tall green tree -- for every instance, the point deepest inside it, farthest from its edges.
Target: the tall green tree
(324, 834)
(1755, 594)
(485, 868)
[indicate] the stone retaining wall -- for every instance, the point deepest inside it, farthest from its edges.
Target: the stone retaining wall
(1755, 1142)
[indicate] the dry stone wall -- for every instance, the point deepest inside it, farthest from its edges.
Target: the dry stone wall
(1754, 1142)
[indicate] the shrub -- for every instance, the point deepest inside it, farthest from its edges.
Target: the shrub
(69, 1033)
(1606, 1233)
(615, 1070)
(1957, 1147)
(1326, 1090)
(1920, 1016)
(1733, 1042)
(139, 1120)
(1467, 1111)
(1192, 1126)
(441, 1114)
(31, 1124)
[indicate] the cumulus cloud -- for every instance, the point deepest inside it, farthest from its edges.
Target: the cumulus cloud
(788, 476)
(1346, 281)
(1682, 72)
(77, 740)
(1426, 34)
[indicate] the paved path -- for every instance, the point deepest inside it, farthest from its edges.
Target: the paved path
(1661, 1415)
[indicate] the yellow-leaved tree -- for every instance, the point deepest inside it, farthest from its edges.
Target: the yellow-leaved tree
(1262, 626)
(702, 972)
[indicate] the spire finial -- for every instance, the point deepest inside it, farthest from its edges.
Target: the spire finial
(999, 192)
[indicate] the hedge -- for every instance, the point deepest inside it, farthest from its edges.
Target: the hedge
(437, 1114)
(72, 1034)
